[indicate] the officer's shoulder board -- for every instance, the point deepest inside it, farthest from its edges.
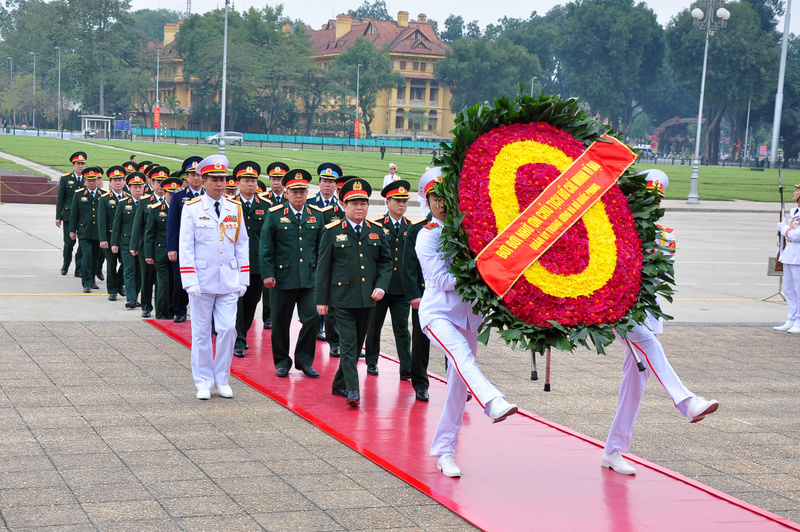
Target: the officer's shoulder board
(378, 219)
(146, 196)
(233, 200)
(417, 222)
(263, 196)
(79, 190)
(155, 205)
(317, 207)
(332, 224)
(193, 200)
(277, 207)
(431, 225)
(105, 194)
(323, 209)
(67, 174)
(376, 222)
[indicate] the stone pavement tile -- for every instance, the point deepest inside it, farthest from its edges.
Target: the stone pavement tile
(97, 476)
(47, 396)
(284, 452)
(405, 495)
(161, 473)
(313, 482)
(237, 487)
(275, 502)
(169, 489)
(370, 518)
(12, 496)
(431, 517)
(338, 499)
(352, 464)
(770, 502)
(91, 445)
(291, 521)
(329, 449)
(232, 523)
(196, 438)
(138, 525)
(124, 510)
(32, 479)
(100, 493)
(777, 482)
(64, 434)
(51, 515)
(220, 470)
(228, 453)
(31, 463)
(376, 479)
(52, 417)
(293, 467)
(206, 506)
(100, 414)
(147, 459)
(145, 442)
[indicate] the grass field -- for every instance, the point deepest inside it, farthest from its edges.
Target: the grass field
(5, 164)
(716, 183)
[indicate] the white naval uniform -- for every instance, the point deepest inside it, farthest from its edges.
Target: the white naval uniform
(214, 258)
(790, 257)
(389, 178)
(452, 326)
(631, 389)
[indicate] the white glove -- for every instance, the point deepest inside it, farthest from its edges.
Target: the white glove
(782, 226)
(193, 291)
(242, 290)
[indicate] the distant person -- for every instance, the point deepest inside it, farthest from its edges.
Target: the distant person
(383, 150)
(67, 185)
(434, 153)
(133, 158)
(790, 257)
(391, 176)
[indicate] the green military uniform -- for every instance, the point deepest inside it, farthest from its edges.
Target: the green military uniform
(67, 185)
(137, 244)
(414, 286)
(107, 210)
(288, 253)
(155, 247)
(332, 213)
(121, 238)
(83, 222)
(350, 267)
(394, 301)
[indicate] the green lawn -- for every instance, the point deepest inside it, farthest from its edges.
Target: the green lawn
(716, 183)
(5, 164)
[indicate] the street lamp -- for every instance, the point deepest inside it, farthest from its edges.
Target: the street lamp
(534, 78)
(776, 120)
(14, 112)
(224, 84)
(59, 89)
(34, 88)
(358, 84)
(710, 23)
(158, 65)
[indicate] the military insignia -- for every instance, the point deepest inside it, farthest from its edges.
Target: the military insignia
(357, 185)
(229, 218)
(217, 166)
(386, 231)
(285, 220)
(84, 198)
(128, 207)
(374, 236)
(312, 220)
(336, 219)
(204, 218)
(431, 225)
(259, 212)
(162, 214)
(402, 190)
(112, 202)
(341, 238)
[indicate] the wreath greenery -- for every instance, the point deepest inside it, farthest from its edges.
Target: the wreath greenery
(518, 329)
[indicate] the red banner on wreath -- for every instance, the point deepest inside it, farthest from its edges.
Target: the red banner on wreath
(557, 208)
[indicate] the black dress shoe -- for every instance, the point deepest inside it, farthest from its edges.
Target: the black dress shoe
(179, 319)
(362, 353)
(130, 305)
(422, 395)
(145, 313)
(63, 271)
(405, 375)
(77, 273)
(353, 399)
(137, 304)
(321, 336)
(112, 297)
(87, 290)
(339, 392)
(372, 369)
(309, 371)
(246, 346)
(121, 291)
(101, 276)
(282, 372)
(95, 287)
(268, 324)
(335, 351)
(238, 352)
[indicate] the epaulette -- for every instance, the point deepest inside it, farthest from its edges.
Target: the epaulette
(146, 196)
(264, 196)
(416, 222)
(233, 200)
(332, 225)
(193, 200)
(323, 209)
(67, 174)
(155, 205)
(79, 190)
(276, 207)
(105, 194)
(431, 225)
(377, 219)
(317, 207)
(377, 223)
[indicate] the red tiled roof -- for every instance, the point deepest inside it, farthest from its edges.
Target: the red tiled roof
(387, 32)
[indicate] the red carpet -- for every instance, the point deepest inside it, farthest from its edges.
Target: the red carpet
(523, 474)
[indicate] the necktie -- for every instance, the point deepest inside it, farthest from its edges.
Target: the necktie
(299, 216)
(358, 230)
(325, 202)
(216, 208)
(247, 204)
(397, 226)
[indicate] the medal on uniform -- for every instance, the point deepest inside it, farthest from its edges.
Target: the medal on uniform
(341, 238)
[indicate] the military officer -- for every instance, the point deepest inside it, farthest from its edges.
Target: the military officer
(274, 195)
(254, 210)
(155, 248)
(83, 225)
(288, 253)
(66, 190)
(107, 210)
(231, 187)
(215, 268)
(121, 239)
(194, 188)
(353, 272)
(395, 227)
(157, 175)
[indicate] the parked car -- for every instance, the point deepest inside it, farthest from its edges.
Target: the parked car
(232, 138)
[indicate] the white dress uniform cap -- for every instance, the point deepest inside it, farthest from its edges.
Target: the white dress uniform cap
(656, 179)
(213, 165)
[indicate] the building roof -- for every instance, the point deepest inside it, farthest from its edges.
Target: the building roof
(414, 39)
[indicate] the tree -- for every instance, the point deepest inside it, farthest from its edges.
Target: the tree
(478, 70)
(376, 11)
(453, 29)
(610, 50)
(151, 21)
(376, 75)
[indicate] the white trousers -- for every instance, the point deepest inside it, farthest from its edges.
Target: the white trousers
(463, 375)
(209, 370)
(631, 389)
(791, 288)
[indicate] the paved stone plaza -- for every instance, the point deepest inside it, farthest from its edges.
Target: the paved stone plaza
(100, 428)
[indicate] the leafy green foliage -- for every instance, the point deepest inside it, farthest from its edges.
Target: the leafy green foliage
(657, 277)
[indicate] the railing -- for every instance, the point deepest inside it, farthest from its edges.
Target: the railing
(418, 103)
(434, 103)
(401, 102)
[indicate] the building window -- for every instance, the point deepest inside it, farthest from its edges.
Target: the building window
(416, 65)
(423, 67)
(402, 65)
(433, 120)
(399, 120)
(401, 92)
(417, 93)
(434, 91)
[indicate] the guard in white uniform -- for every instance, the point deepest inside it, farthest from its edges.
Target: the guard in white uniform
(451, 325)
(790, 257)
(215, 271)
(631, 389)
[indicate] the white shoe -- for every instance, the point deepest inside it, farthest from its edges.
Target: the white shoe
(224, 391)
(794, 330)
(785, 327)
(447, 465)
(616, 462)
(501, 409)
(204, 395)
(697, 408)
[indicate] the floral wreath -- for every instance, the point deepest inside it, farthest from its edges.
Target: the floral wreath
(603, 274)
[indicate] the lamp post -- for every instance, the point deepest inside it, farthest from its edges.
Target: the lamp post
(224, 83)
(358, 84)
(14, 112)
(534, 78)
(34, 88)
(158, 66)
(59, 89)
(711, 23)
(776, 120)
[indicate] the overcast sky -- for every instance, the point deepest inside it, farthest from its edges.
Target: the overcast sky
(316, 12)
